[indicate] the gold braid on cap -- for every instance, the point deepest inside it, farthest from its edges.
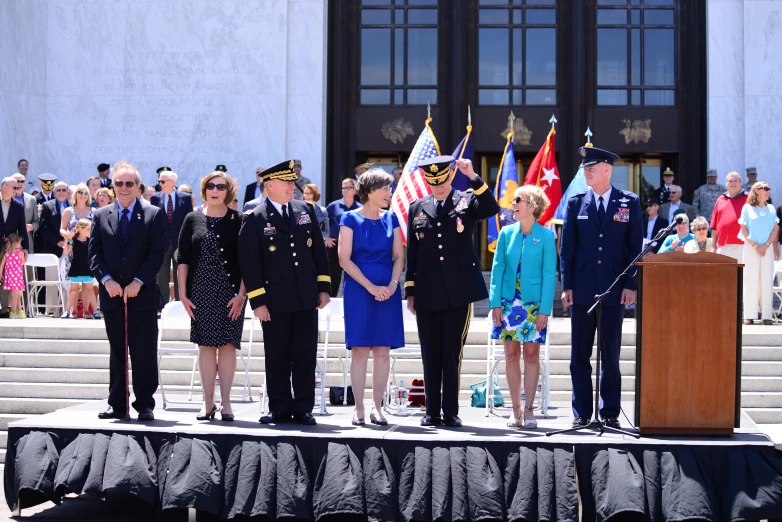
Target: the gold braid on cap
(438, 179)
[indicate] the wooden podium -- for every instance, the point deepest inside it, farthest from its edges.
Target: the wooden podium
(688, 344)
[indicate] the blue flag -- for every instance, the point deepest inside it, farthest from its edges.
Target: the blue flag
(507, 183)
(463, 151)
(578, 184)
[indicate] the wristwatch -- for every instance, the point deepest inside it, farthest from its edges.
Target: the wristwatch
(395, 281)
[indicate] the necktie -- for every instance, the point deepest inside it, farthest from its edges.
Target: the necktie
(439, 207)
(124, 221)
(285, 213)
(170, 210)
(601, 211)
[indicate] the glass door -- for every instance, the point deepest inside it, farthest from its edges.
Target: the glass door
(639, 175)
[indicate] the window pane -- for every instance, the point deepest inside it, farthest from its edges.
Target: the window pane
(421, 96)
(658, 2)
(611, 16)
(658, 57)
(611, 57)
(606, 97)
(493, 96)
(421, 57)
(517, 54)
(635, 97)
(422, 16)
(658, 16)
(399, 97)
(375, 96)
(494, 16)
(541, 2)
(516, 96)
(541, 16)
(493, 58)
(635, 16)
(541, 97)
(399, 56)
(375, 16)
(611, 2)
(375, 57)
(493, 2)
(635, 60)
(517, 16)
(421, 2)
(659, 98)
(541, 57)
(375, 2)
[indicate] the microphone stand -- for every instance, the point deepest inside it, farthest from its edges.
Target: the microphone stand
(596, 424)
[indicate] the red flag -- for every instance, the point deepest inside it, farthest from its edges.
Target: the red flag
(543, 172)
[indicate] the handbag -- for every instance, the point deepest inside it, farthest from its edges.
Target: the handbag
(478, 399)
(337, 395)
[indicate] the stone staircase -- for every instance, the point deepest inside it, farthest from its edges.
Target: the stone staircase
(48, 364)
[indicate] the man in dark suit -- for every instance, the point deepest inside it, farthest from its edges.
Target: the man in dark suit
(126, 249)
(176, 205)
(12, 220)
(602, 233)
(286, 272)
(663, 193)
(653, 223)
(255, 189)
(103, 173)
(444, 278)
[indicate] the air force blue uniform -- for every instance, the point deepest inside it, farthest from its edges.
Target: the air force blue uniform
(593, 253)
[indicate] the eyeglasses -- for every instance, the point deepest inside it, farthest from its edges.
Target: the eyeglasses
(651, 205)
(519, 199)
(84, 192)
(701, 229)
(61, 190)
(348, 187)
(764, 188)
(126, 184)
(219, 186)
(161, 181)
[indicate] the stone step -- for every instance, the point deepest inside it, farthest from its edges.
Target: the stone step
(7, 418)
(3, 439)
(28, 406)
(765, 415)
(761, 399)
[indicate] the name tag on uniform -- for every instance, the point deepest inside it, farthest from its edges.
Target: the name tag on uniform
(269, 231)
(622, 215)
(582, 217)
(304, 219)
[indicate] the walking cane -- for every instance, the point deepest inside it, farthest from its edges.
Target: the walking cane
(127, 357)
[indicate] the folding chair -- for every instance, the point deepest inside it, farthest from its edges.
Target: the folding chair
(174, 316)
(407, 352)
(336, 309)
(34, 285)
(495, 353)
(777, 289)
(324, 325)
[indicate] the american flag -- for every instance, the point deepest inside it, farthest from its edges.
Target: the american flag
(413, 185)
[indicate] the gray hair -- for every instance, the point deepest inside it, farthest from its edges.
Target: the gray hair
(732, 174)
(124, 165)
(370, 181)
(676, 188)
(700, 220)
(60, 184)
(167, 174)
(9, 179)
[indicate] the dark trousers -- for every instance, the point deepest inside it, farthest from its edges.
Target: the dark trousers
(582, 337)
(142, 340)
(163, 276)
(290, 343)
(334, 269)
(443, 334)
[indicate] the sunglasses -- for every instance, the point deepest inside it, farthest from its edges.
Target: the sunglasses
(61, 190)
(519, 199)
(126, 184)
(701, 229)
(219, 186)
(651, 205)
(161, 181)
(764, 188)
(348, 187)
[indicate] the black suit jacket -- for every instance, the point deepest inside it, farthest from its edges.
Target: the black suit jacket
(183, 205)
(284, 265)
(443, 270)
(49, 227)
(39, 198)
(659, 224)
(249, 192)
(139, 256)
(106, 183)
(14, 223)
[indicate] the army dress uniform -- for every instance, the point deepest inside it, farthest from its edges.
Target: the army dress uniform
(706, 197)
(444, 275)
(284, 266)
(596, 247)
(663, 193)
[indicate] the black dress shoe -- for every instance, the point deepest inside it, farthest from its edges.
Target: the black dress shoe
(613, 422)
(111, 413)
(146, 415)
(579, 422)
(305, 418)
(275, 418)
(453, 422)
(207, 416)
(428, 420)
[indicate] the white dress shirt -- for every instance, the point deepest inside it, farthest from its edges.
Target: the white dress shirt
(673, 208)
(650, 228)
(605, 195)
(278, 206)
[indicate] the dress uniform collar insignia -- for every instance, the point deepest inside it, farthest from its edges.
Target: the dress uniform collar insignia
(623, 200)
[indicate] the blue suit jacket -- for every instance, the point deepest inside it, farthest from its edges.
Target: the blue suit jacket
(593, 253)
(183, 205)
(538, 257)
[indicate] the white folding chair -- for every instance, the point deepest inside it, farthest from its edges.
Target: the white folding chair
(406, 352)
(324, 325)
(175, 316)
(495, 353)
(247, 392)
(777, 289)
(337, 311)
(34, 285)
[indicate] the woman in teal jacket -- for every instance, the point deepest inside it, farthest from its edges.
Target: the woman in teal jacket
(523, 278)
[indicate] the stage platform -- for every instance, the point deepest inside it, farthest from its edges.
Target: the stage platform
(482, 471)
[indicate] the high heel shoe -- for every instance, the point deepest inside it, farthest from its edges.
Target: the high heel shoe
(226, 417)
(530, 423)
(356, 421)
(374, 419)
(207, 416)
(513, 420)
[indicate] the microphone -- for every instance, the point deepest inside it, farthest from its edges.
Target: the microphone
(679, 220)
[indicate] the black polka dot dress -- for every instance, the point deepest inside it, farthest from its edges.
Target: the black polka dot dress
(211, 294)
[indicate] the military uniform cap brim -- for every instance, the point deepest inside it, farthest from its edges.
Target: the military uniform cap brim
(47, 177)
(437, 170)
(593, 155)
(282, 171)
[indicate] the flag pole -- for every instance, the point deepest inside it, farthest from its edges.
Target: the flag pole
(553, 121)
(497, 185)
(588, 135)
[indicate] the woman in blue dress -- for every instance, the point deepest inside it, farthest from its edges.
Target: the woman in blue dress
(521, 296)
(372, 254)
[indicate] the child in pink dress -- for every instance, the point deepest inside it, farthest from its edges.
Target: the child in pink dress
(12, 268)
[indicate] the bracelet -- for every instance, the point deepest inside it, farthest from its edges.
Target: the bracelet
(395, 281)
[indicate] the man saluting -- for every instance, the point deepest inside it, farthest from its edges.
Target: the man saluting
(286, 271)
(444, 278)
(602, 233)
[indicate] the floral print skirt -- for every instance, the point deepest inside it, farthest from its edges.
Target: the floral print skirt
(518, 320)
